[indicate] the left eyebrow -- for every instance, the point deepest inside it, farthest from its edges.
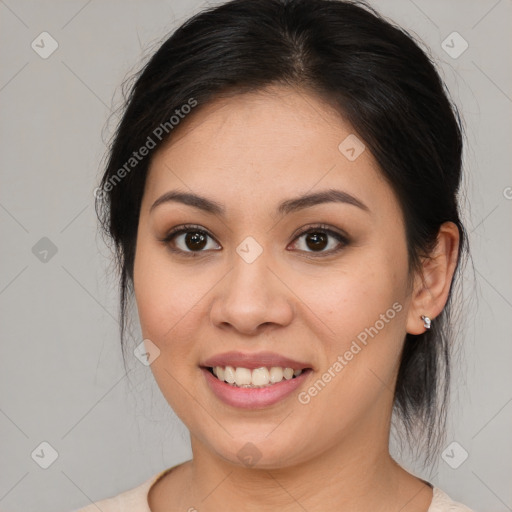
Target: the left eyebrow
(324, 196)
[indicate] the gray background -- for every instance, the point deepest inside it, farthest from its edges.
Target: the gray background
(62, 379)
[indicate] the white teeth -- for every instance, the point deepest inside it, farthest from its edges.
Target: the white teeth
(229, 375)
(242, 376)
(276, 374)
(259, 377)
(288, 373)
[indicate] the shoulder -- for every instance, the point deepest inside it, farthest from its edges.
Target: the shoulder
(441, 502)
(135, 499)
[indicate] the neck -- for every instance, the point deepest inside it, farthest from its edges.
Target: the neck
(358, 474)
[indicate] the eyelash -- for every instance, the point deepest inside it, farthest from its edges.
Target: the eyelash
(191, 228)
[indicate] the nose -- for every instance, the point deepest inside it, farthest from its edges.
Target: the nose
(252, 298)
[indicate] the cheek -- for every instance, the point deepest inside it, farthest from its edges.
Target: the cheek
(168, 300)
(362, 312)
(164, 296)
(173, 308)
(362, 307)
(353, 299)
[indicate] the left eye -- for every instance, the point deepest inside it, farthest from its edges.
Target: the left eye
(317, 239)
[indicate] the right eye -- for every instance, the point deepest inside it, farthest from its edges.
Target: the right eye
(193, 239)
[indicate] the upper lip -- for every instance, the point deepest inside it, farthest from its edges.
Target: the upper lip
(255, 360)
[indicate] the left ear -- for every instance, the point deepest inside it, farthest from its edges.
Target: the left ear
(432, 284)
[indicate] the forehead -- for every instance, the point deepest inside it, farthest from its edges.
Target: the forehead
(277, 142)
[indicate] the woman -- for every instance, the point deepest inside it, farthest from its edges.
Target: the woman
(282, 195)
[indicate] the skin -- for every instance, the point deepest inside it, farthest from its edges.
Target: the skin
(250, 152)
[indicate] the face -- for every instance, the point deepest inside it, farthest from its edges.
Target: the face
(321, 285)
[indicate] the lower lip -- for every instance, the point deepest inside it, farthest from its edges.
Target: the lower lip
(253, 398)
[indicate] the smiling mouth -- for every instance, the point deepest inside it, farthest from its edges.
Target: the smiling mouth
(256, 378)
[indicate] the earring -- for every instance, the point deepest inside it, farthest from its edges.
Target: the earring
(426, 321)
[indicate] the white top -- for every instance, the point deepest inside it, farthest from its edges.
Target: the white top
(136, 500)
